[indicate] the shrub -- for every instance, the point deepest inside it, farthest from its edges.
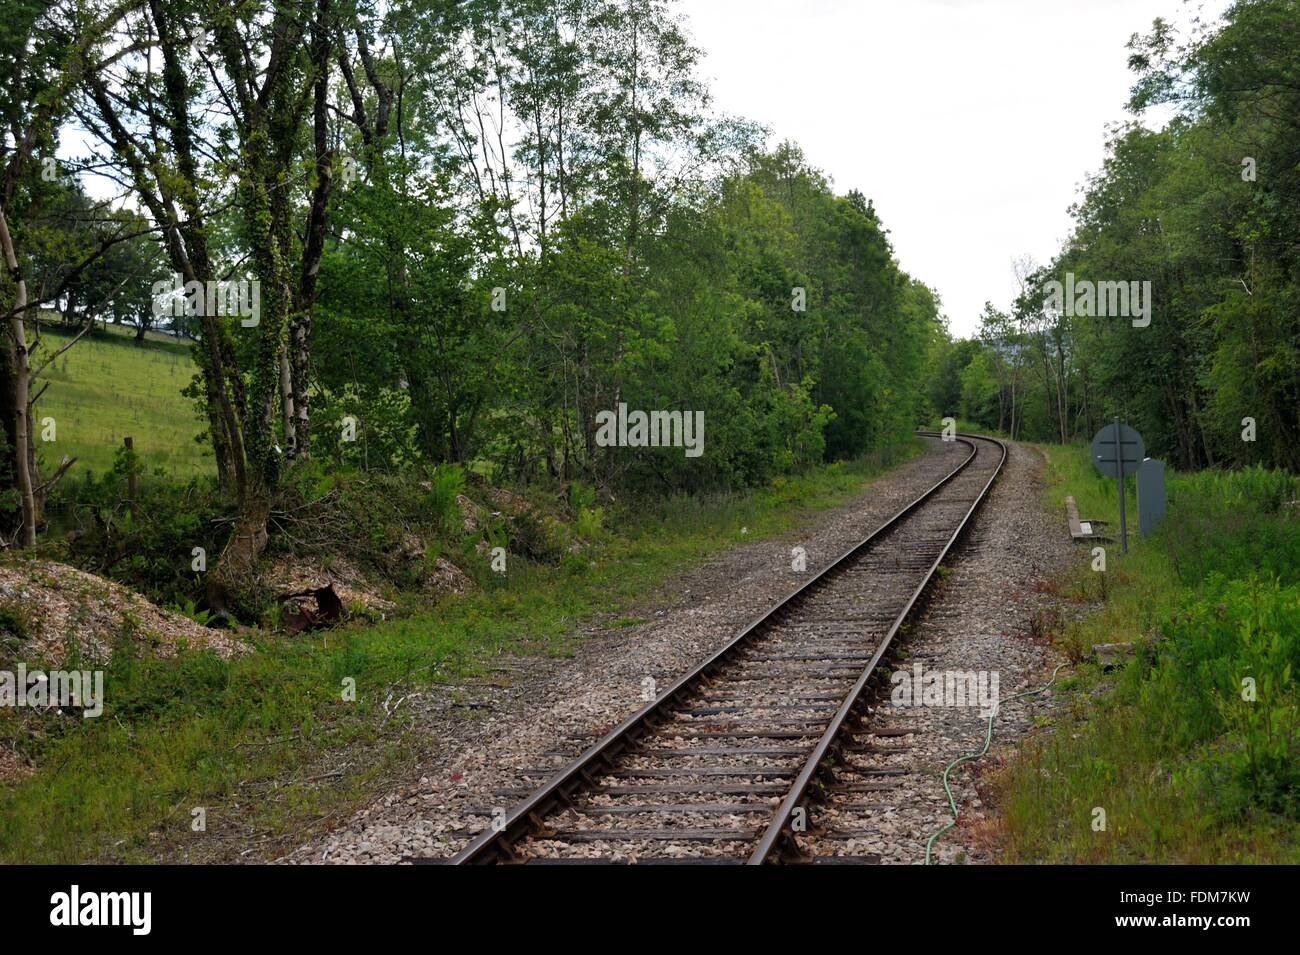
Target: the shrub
(531, 537)
(150, 550)
(590, 523)
(581, 498)
(440, 504)
(1258, 700)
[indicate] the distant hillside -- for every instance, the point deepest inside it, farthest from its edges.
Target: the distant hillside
(106, 387)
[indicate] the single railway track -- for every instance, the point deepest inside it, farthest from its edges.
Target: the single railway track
(726, 764)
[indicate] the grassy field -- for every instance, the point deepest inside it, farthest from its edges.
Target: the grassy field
(105, 388)
(248, 738)
(1191, 749)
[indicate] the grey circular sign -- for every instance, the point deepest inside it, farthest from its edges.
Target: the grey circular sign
(1130, 449)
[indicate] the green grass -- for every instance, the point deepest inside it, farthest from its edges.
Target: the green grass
(1185, 768)
(245, 738)
(105, 388)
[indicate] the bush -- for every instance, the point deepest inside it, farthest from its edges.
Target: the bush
(1233, 524)
(440, 503)
(1255, 487)
(1233, 660)
(590, 523)
(150, 550)
(581, 498)
(531, 537)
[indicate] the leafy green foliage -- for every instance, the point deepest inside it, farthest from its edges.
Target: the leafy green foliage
(148, 548)
(446, 484)
(1206, 209)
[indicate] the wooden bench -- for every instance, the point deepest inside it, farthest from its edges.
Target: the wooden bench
(1081, 530)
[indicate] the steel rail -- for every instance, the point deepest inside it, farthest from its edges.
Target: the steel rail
(779, 831)
(526, 818)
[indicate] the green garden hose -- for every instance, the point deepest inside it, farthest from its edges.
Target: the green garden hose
(988, 738)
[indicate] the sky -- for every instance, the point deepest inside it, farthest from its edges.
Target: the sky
(971, 124)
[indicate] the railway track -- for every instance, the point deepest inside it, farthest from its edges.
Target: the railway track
(729, 764)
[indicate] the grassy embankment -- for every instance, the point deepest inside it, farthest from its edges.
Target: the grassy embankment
(1190, 760)
(259, 740)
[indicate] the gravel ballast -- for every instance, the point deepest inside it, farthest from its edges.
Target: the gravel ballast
(496, 743)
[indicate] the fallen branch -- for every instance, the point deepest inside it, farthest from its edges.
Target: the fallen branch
(54, 479)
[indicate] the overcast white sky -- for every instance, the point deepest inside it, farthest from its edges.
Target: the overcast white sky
(970, 123)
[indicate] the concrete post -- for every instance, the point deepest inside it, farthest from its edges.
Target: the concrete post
(1151, 495)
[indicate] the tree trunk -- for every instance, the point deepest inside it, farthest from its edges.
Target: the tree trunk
(286, 402)
(300, 325)
(237, 565)
(20, 369)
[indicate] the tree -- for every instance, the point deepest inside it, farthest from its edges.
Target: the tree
(44, 71)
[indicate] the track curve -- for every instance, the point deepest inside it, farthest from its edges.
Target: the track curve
(722, 765)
